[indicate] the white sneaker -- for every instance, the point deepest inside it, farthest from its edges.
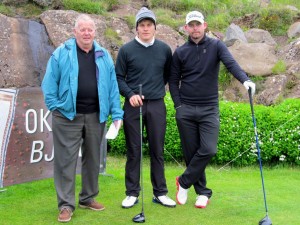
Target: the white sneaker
(201, 201)
(164, 200)
(129, 201)
(181, 195)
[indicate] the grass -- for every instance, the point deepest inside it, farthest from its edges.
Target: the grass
(237, 199)
(279, 67)
(112, 36)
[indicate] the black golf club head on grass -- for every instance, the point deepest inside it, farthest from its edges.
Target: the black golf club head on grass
(139, 218)
(265, 221)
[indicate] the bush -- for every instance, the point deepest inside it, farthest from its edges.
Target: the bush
(278, 130)
(275, 20)
(92, 7)
(84, 6)
(279, 67)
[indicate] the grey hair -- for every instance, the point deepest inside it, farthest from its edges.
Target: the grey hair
(85, 18)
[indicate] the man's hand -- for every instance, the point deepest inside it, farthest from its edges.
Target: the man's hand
(118, 124)
(249, 84)
(136, 100)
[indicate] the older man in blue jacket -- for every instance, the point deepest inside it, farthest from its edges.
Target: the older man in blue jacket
(81, 90)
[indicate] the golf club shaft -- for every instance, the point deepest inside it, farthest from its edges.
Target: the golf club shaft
(258, 149)
(141, 136)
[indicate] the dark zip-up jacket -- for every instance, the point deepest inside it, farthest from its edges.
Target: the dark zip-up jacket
(195, 69)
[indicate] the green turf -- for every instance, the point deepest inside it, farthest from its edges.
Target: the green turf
(237, 199)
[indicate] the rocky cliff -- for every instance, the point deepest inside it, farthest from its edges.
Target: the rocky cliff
(26, 46)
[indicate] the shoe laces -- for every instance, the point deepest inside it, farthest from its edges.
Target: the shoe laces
(164, 197)
(65, 208)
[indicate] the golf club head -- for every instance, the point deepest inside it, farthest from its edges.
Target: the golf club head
(265, 221)
(139, 218)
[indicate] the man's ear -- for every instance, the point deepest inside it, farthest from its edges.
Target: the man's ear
(185, 27)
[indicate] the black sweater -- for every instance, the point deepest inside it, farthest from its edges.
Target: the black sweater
(149, 66)
(87, 95)
(196, 68)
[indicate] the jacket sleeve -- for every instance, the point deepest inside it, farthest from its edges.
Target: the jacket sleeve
(167, 68)
(174, 79)
(121, 72)
(50, 83)
(230, 63)
(114, 95)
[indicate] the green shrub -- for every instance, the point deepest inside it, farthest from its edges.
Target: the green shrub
(130, 20)
(113, 37)
(225, 77)
(275, 20)
(5, 10)
(168, 17)
(85, 6)
(174, 5)
(278, 130)
(279, 67)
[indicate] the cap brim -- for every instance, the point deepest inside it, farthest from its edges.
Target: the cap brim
(198, 20)
(143, 18)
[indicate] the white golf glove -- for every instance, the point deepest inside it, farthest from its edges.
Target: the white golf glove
(249, 84)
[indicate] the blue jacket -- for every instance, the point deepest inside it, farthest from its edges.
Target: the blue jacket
(60, 82)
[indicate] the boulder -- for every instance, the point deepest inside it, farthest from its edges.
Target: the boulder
(259, 36)
(273, 90)
(294, 30)
(255, 58)
(24, 51)
(234, 33)
(60, 24)
(14, 2)
(169, 35)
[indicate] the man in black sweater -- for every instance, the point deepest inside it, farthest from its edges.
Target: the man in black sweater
(145, 60)
(193, 84)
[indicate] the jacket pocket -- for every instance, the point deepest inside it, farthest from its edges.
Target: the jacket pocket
(66, 101)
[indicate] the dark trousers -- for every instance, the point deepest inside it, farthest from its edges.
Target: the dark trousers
(86, 132)
(199, 130)
(154, 116)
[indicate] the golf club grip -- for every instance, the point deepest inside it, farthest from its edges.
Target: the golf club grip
(140, 90)
(251, 100)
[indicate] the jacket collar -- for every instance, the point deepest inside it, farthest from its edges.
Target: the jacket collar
(203, 40)
(99, 51)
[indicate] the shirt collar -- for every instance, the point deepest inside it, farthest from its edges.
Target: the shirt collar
(144, 43)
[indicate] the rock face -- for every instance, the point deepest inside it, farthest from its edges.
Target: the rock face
(59, 25)
(256, 59)
(42, 3)
(294, 30)
(259, 36)
(26, 46)
(24, 51)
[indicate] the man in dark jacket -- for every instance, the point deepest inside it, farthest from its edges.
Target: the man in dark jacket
(144, 60)
(193, 85)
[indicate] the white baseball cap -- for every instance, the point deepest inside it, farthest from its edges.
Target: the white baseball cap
(194, 16)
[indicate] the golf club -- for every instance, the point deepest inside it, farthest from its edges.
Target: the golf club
(140, 218)
(266, 220)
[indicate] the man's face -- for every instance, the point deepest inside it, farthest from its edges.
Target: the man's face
(146, 30)
(196, 29)
(85, 34)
